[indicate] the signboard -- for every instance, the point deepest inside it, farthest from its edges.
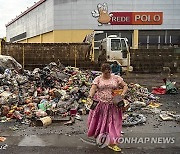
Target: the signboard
(136, 18)
(126, 18)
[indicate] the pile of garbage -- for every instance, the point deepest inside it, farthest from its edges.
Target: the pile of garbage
(134, 119)
(8, 62)
(140, 99)
(53, 90)
(139, 96)
(58, 91)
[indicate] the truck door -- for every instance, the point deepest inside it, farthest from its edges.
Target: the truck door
(124, 49)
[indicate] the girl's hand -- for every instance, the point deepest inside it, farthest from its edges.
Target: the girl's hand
(89, 100)
(122, 95)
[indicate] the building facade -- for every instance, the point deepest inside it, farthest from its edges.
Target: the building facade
(146, 23)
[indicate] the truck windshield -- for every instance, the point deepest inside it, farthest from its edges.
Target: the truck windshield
(115, 44)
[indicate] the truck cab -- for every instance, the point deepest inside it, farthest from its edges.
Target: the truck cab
(114, 48)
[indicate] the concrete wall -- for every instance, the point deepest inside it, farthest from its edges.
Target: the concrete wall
(72, 36)
(42, 38)
(59, 36)
(47, 37)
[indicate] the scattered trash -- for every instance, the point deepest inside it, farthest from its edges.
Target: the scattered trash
(139, 96)
(45, 121)
(159, 91)
(134, 119)
(177, 117)
(154, 105)
(170, 87)
(14, 128)
(69, 122)
(139, 104)
(7, 62)
(155, 110)
(78, 117)
(165, 117)
(2, 139)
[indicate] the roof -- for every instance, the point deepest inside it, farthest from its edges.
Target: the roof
(27, 11)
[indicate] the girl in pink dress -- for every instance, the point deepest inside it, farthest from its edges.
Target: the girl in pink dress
(106, 118)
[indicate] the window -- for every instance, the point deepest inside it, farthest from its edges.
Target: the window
(153, 39)
(175, 39)
(115, 44)
(128, 35)
(162, 39)
(142, 39)
(18, 37)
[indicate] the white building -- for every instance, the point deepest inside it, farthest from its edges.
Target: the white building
(146, 23)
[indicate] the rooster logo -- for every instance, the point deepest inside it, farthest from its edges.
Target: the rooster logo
(102, 14)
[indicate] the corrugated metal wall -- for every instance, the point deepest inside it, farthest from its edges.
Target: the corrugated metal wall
(38, 55)
(153, 60)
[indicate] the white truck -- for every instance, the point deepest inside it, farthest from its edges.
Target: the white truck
(114, 48)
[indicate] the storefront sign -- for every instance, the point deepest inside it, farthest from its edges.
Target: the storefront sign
(126, 18)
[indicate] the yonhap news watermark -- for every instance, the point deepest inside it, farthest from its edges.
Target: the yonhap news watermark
(144, 140)
(104, 139)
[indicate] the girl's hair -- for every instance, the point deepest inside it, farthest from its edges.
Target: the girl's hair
(105, 66)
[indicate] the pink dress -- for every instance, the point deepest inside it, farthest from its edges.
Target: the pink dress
(106, 118)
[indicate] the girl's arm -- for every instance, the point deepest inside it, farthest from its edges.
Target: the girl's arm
(125, 88)
(92, 91)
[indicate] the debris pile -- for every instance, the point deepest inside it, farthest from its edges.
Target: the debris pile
(134, 119)
(34, 97)
(8, 62)
(139, 96)
(53, 90)
(141, 100)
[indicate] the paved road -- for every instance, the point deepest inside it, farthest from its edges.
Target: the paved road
(37, 144)
(57, 150)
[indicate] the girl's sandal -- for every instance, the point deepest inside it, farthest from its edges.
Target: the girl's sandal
(69, 122)
(115, 148)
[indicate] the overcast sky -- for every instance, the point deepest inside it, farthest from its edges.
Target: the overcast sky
(9, 9)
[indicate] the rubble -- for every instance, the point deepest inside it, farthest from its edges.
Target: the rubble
(134, 119)
(165, 116)
(2, 139)
(52, 91)
(170, 87)
(139, 97)
(45, 121)
(58, 92)
(8, 62)
(169, 115)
